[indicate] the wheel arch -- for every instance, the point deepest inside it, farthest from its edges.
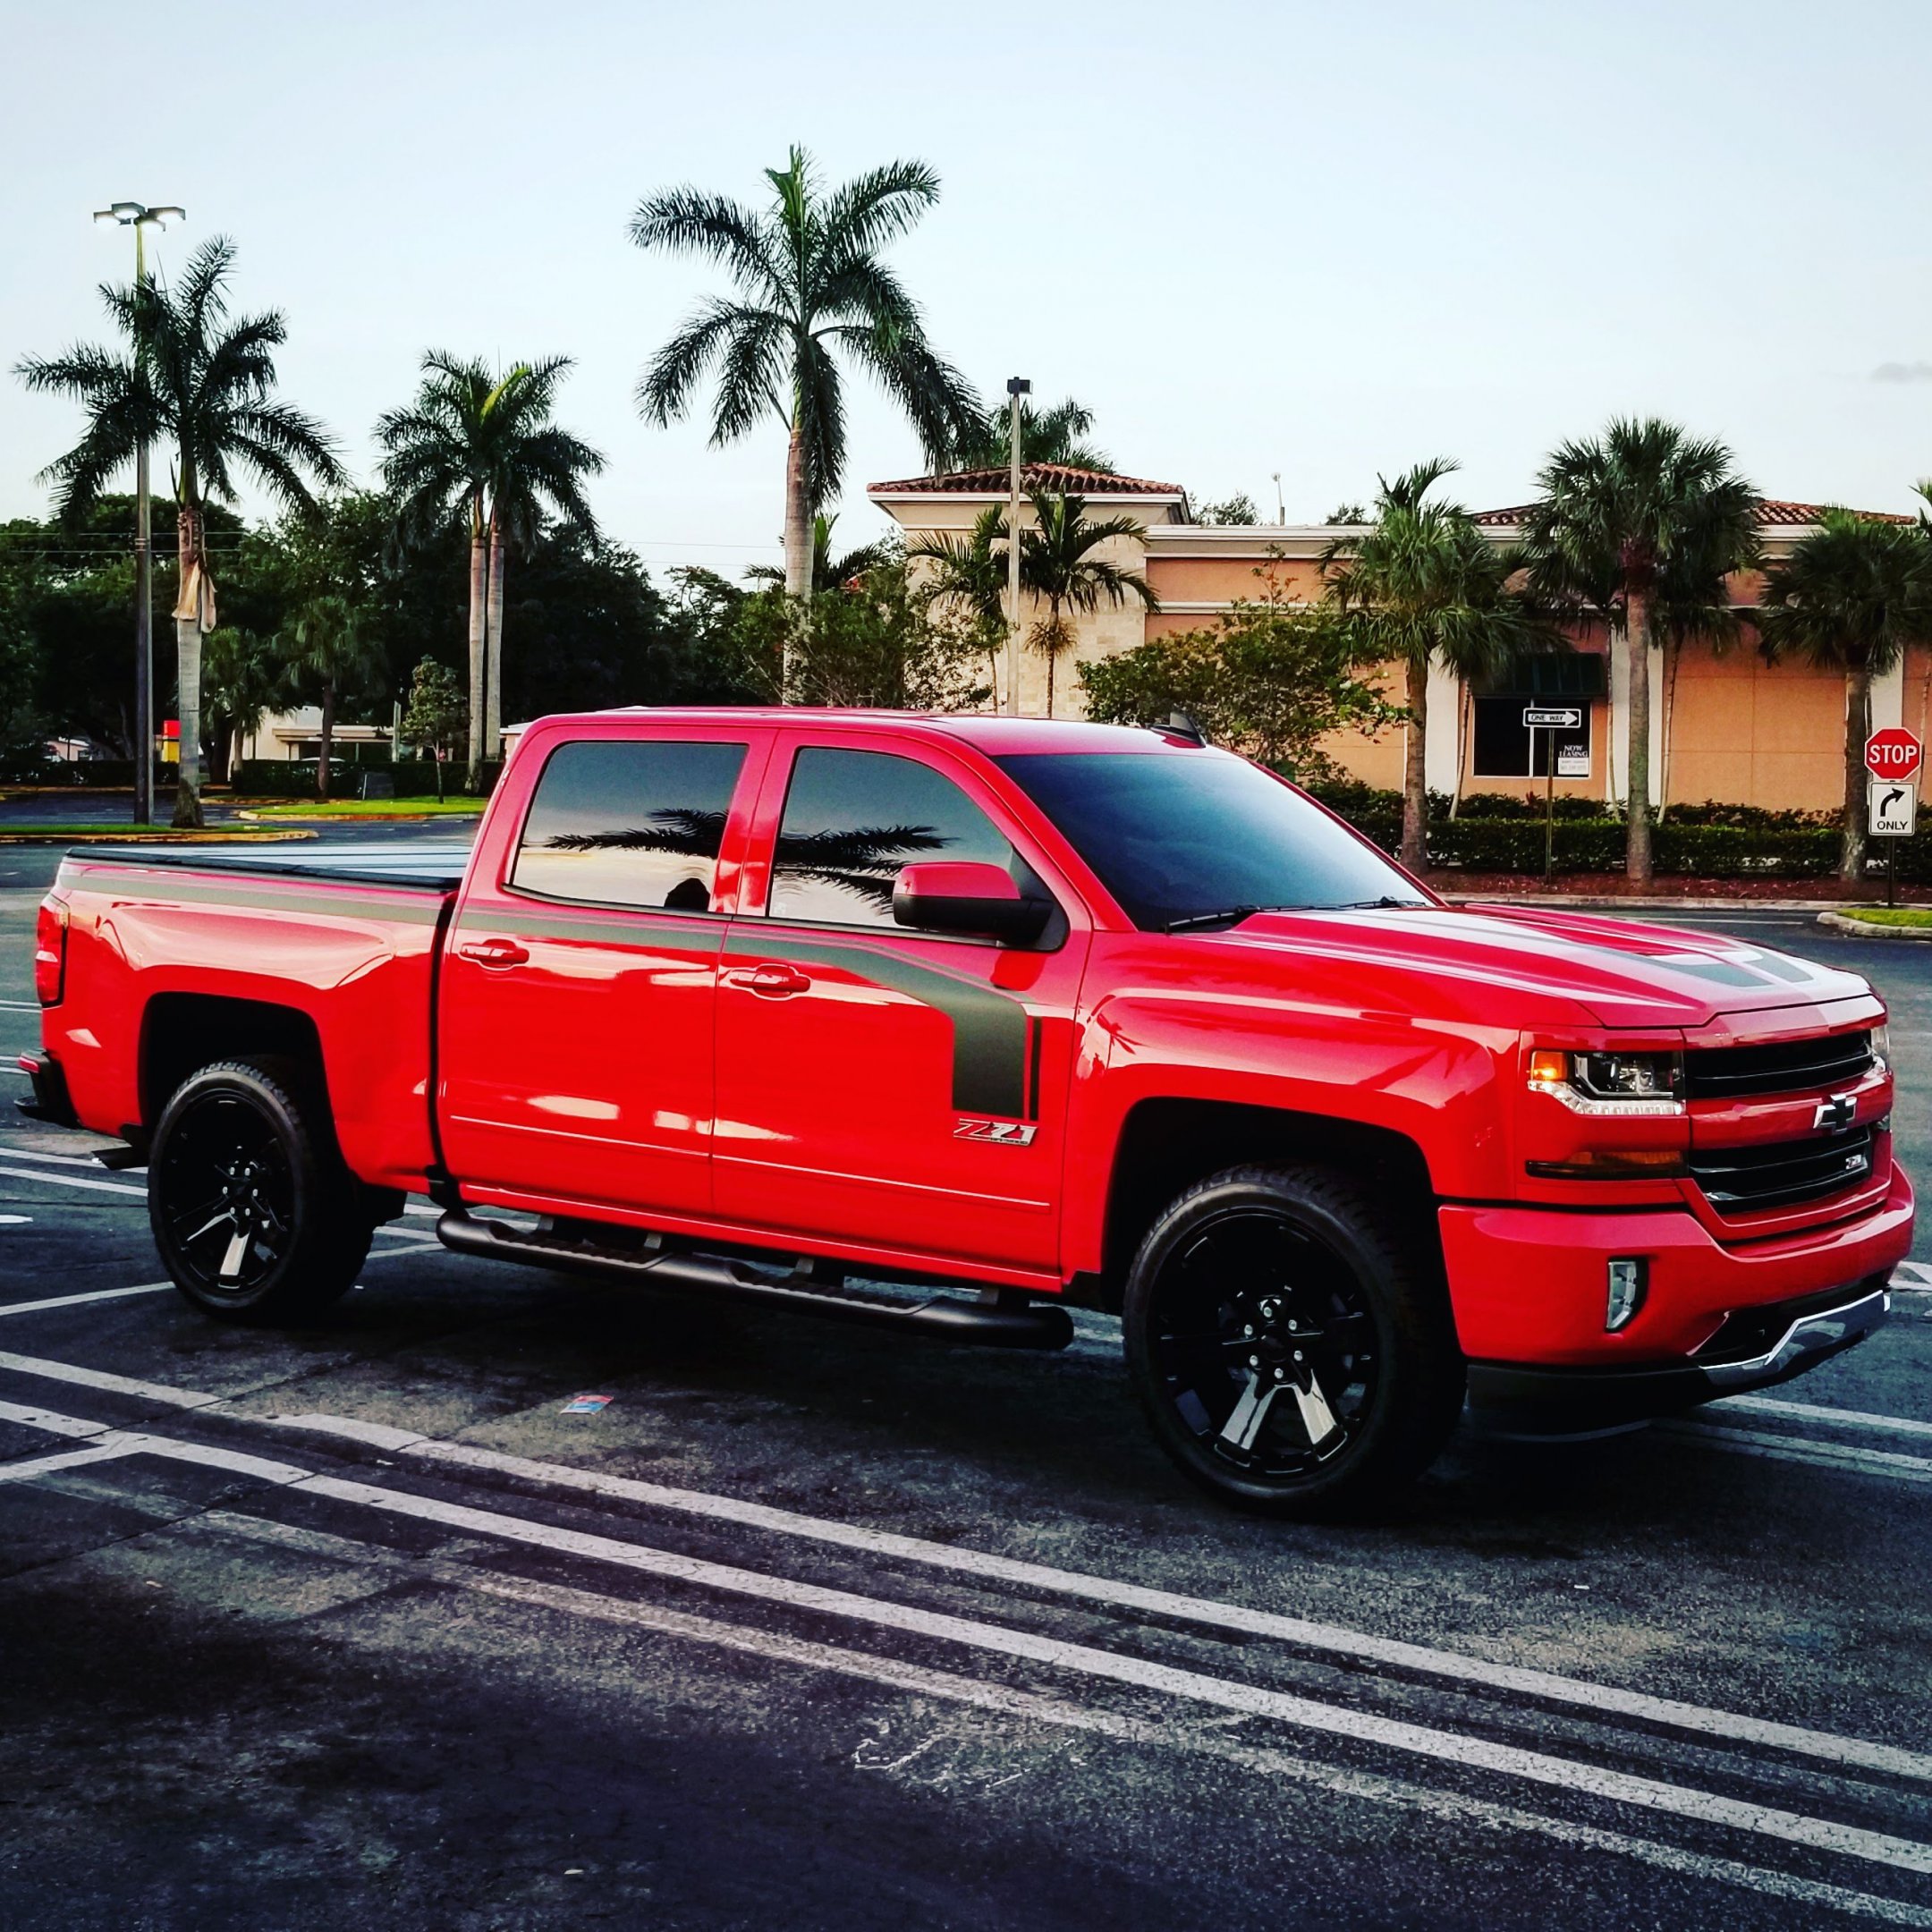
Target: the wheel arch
(1166, 1145)
(182, 1032)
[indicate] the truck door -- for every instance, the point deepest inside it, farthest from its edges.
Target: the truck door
(877, 1084)
(578, 983)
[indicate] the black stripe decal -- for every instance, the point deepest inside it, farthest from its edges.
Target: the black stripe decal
(989, 1028)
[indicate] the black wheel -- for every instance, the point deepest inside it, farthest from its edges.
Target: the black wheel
(1292, 1350)
(255, 1215)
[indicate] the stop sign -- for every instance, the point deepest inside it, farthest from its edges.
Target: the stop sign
(1895, 753)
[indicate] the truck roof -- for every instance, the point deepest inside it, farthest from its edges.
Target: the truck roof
(991, 734)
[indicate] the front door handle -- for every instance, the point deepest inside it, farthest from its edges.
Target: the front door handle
(773, 979)
(495, 952)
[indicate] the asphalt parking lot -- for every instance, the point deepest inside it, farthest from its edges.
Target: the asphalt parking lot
(810, 1627)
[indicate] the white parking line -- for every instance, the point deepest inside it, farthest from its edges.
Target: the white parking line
(61, 1180)
(99, 1451)
(1891, 1425)
(113, 1385)
(59, 1160)
(919, 1679)
(1139, 1673)
(75, 1301)
(1889, 1463)
(1207, 1612)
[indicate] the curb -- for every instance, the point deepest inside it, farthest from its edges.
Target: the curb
(1579, 903)
(361, 817)
(68, 835)
(1860, 928)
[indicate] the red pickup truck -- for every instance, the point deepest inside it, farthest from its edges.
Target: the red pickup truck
(795, 1004)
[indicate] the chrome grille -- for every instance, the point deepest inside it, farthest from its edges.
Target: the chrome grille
(1783, 1174)
(1779, 1067)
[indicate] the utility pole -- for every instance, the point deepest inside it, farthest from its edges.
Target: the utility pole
(133, 215)
(1016, 387)
(1281, 514)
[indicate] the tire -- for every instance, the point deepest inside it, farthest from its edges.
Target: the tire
(1294, 1351)
(257, 1217)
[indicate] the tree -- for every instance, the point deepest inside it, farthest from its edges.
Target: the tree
(330, 647)
(483, 448)
(1850, 597)
(1058, 565)
(1240, 508)
(243, 678)
(1271, 679)
(205, 385)
(1423, 586)
(811, 286)
(435, 715)
(1048, 436)
(1645, 514)
(829, 573)
(966, 577)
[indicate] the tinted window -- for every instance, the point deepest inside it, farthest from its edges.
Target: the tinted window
(629, 822)
(1175, 835)
(852, 819)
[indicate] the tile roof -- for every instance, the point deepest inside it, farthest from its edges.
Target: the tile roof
(1772, 513)
(1061, 477)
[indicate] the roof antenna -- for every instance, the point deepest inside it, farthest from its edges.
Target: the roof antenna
(1181, 723)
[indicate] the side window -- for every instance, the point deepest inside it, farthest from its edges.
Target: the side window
(852, 819)
(632, 822)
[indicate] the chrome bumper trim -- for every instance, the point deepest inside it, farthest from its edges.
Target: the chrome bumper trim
(1822, 1333)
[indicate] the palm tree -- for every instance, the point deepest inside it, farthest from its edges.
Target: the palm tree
(969, 573)
(1850, 597)
(205, 384)
(1058, 564)
(828, 571)
(1644, 515)
(1423, 585)
(482, 447)
(810, 286)
(243, 678)
(1048, 436)
(331, 645)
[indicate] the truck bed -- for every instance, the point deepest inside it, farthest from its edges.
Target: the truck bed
(434, 866)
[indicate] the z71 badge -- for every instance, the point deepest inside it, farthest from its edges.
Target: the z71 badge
(1006, 1132)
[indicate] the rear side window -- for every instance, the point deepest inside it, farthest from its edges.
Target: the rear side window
(629, 822)
(852, 819)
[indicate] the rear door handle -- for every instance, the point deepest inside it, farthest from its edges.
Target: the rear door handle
(495, 952)
(773, 980)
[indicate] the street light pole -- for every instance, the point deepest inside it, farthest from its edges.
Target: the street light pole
(1016, 387)
(133, 215)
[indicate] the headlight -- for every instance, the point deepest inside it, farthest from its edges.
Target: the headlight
(1881, 1047)
(1610, 1083)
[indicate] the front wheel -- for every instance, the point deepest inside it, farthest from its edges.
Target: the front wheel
(1293, 1351)
(256, 1216)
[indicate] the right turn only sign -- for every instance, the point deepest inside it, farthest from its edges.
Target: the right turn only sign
(1893, 807)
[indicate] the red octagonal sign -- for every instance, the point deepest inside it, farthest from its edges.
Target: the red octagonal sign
(1896, 753)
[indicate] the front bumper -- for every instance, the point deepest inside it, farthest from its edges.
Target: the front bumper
(1527, 1285)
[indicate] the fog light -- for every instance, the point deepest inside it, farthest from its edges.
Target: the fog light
(1626, 1291)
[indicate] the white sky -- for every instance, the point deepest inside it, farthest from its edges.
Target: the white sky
(1321, 238)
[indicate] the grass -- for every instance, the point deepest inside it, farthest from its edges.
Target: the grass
(372, 808)
(1918, 916)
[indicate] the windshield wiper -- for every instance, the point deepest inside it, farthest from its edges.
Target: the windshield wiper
(1375, 905)
(1226, 916)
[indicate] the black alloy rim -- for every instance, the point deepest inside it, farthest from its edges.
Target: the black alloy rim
(1264, 1344)
(227, 1195)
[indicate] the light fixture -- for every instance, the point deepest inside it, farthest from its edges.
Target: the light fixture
(1624, 1292)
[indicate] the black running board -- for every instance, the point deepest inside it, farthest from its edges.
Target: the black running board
(1002, 1318)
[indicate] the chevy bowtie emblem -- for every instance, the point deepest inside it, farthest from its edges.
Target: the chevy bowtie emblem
(1839, 1111)
(1003, 1133)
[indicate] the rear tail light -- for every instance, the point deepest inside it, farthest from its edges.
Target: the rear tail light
(50, 952)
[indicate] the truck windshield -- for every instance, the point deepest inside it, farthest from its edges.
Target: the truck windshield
(1186, 836)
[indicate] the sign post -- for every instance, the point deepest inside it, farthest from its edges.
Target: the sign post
(1551, 719)
(1893, 757)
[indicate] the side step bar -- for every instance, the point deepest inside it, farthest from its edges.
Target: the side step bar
(1002, 1318)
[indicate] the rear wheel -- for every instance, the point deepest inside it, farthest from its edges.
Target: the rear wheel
(256, 1216)
(1292, 1350)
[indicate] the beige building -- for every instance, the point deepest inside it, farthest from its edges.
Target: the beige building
(1734, 729)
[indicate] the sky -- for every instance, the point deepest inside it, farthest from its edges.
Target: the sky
(1317, 240)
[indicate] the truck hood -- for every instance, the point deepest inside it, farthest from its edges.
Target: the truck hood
(1614, 971)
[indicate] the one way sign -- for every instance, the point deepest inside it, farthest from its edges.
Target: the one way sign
(1894, 808)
